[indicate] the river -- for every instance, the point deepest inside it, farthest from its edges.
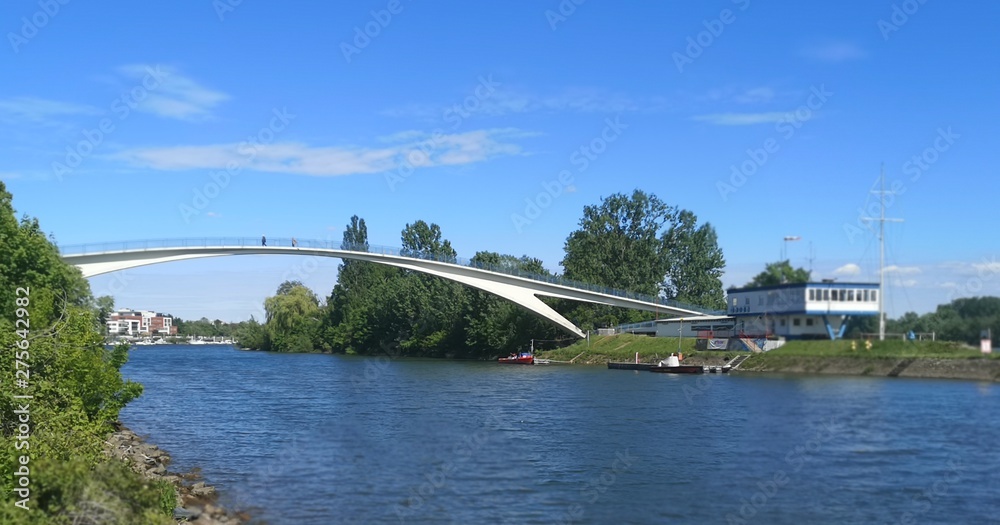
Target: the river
(321, 439)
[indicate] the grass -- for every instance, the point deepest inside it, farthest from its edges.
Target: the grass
(620, 348)
(891, 349)
(623, 347)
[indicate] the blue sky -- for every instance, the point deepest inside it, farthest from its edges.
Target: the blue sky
(766, 119)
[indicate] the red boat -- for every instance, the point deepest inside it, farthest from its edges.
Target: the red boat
(524, 358)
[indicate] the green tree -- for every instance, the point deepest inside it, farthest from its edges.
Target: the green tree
(75, 382)
(496, 326)
(354, 301)
(619, 243)
(293, 318)
(696, 263)
(425, 241)
(780, 272)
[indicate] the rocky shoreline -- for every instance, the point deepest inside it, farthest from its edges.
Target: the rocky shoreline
(197, 503)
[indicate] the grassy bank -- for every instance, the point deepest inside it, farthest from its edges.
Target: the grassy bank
(894, 358)
(601, 349)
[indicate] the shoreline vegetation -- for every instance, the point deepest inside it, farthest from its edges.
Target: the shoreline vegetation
(65, 457)
(890, 358)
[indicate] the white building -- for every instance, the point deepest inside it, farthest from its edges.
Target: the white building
(801, 310)
(136, 322)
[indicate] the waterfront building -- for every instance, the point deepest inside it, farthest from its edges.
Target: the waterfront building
(800, 310)
(140, 322)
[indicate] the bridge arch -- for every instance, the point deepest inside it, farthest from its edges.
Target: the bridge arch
(522, 289)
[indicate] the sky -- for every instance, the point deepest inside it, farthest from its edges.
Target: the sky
(500, 121)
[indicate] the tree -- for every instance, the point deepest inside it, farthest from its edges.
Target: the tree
(76, 384)
(496, 326)
(293, 317)
(424, 241)
(619, 243)
(104, 305)
(780, 272)
(696, 263)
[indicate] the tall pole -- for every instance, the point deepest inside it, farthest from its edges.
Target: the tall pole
(881, 258)
(881, 253)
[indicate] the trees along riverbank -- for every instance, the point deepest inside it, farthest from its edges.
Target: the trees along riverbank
(52, 467)
(631, 242)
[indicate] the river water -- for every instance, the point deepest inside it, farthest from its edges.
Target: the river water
(321, 439)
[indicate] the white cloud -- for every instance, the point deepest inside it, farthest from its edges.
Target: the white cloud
(987, 267)
(40, 111)
(177, 96)
(756, 95)
(848, 269)
(331, 161)
(838, 51)
(504, 102)
(905, 283)
(742, 119)
(902, 270)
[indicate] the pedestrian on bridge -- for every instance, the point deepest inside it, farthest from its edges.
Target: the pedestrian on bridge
(294, 242)
(263, 240)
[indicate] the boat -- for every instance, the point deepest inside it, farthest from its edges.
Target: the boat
(629, 366)
(524, 358)
(672, 365)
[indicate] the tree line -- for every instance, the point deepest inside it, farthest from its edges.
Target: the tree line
(636, 243)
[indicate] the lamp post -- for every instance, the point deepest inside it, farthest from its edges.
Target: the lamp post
(784, 247)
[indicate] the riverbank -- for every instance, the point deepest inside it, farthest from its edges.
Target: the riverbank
(921, 359)
(196, 502)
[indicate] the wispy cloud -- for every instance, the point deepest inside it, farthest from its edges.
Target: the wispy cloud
(848, 269)
(177, 97)
(755, 96)
(834, 51)
(41, 112)
(421, 151)
(902, 270)
(905, 283)
(9, 175)
(742, 119)
(505, 102)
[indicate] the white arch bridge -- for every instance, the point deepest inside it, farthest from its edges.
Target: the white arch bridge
(520, 287)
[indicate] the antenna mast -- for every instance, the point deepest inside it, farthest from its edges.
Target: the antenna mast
(881, 253)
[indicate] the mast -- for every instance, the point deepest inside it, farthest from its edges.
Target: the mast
(881, 253)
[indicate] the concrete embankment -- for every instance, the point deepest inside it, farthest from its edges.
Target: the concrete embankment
(196, 501)
(916, 367)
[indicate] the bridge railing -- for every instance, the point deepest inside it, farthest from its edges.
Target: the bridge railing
(247, 242)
